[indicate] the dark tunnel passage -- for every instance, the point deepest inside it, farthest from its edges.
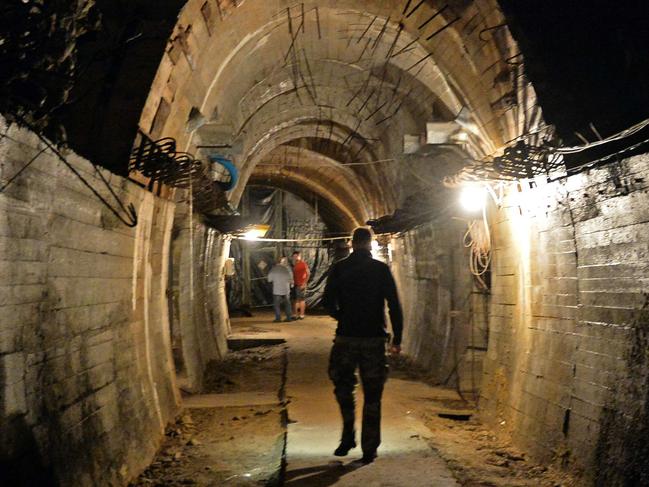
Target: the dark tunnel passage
(159, 158)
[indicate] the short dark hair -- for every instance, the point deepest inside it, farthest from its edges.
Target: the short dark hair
(297, 252)
(362, 236)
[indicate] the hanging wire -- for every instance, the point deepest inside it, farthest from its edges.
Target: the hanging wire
(20, 171)
(129, 216)
(591, 164)
(619, 136)
(261, 239)
(191, 240)
(320, 239)
(478, 239)
(366, 163)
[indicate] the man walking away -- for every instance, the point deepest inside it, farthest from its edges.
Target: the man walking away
(301, 275)
(282, 279)
(355, 295)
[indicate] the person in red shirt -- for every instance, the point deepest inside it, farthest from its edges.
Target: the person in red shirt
(300, 277)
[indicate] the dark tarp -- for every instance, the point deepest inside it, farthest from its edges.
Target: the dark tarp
(289, 217)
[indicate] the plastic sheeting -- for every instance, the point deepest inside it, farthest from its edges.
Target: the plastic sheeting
(291, 218)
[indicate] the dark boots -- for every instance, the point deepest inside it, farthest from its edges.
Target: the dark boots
(344, 447)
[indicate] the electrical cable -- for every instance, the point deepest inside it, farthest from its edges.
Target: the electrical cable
(20, 171)
(261, 239)
(590, 164)
(321, 239)
(619, 136)
(478, 239)
(368, 163)
(130, 220)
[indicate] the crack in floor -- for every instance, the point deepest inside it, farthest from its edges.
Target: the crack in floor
(288, 437)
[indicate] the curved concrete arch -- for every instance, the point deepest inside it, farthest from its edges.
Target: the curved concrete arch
(272, 117)
(243, 77)
(370, 178)
(258, 22)
(301, 123)
(408, 94)
(255, 60)
(363, 127)
(304, 172)
(336, 219)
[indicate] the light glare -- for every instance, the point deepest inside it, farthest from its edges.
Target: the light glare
(473, 198)
(255, 232)
(251, 235)
(376, 249)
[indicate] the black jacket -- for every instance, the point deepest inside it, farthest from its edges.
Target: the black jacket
(356, 291)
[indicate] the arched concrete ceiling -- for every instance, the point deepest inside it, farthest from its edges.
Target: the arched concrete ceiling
(309, 174)
(267, 75)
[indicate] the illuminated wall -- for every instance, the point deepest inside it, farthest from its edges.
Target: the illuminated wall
(444, 316)
(565, 373)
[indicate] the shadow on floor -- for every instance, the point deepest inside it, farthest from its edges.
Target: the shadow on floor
(320, 475)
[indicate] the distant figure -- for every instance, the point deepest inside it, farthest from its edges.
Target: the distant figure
(301, 275)
(282, 279)
(356, 291)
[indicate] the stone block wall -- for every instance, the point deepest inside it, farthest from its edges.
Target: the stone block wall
(445, 319)
(567, 366)
(86, 382)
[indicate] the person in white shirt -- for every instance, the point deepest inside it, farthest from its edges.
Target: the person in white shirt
(282, 279)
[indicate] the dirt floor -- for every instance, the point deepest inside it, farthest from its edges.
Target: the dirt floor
(259, 369)
(247, 445)
(477, 456)
(219, 446)
(227, 446)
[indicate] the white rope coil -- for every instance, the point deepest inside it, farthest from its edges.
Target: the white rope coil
(478, 239)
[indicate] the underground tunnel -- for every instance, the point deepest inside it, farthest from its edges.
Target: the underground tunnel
(158, 159)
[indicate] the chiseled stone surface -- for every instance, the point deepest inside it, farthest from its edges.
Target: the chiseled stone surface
(566, 369)
(444, 315)
(86, 375)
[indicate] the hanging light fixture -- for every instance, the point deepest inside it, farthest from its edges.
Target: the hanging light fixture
(254, 232)
(473, 197)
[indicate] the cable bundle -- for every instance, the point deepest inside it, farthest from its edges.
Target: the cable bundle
(478, 239)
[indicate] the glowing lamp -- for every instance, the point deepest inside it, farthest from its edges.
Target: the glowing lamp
(376, 250)
(255, 232)
(473, 198)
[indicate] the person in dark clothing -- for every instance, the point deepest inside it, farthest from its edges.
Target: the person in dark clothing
(355, 295)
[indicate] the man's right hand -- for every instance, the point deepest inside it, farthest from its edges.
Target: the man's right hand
(395, 349)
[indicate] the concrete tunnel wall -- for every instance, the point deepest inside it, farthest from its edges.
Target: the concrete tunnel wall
(87, 376)
(445, 316)
(565, 374)
(200, 320)
(87, 382)
(567, 366)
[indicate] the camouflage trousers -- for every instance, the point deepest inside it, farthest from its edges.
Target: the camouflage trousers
(369, 356)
